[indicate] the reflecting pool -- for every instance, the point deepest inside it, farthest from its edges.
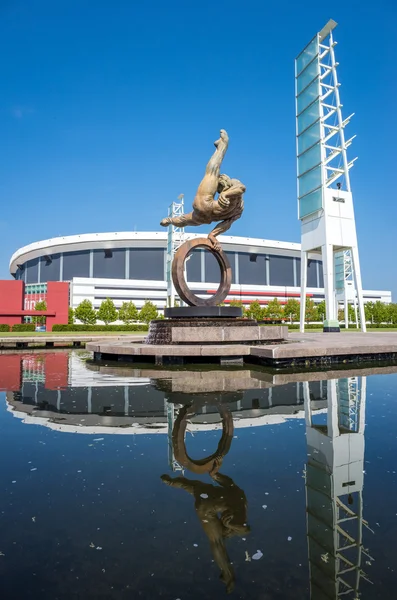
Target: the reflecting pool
(195, 483)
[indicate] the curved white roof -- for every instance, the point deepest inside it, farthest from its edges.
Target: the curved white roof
(140, 239)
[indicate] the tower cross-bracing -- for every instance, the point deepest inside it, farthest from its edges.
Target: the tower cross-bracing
(176, 237)
(325, 202)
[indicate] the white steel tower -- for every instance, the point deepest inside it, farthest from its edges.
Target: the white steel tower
(325, 202)
(176, 237)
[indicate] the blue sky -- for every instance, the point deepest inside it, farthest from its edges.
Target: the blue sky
(108, 112)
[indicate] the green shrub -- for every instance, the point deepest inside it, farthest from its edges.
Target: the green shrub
(41, 305)
(93, 328)
(85, 313)
(107, 312)
(23, 327)
(4, 327)
(148, 312)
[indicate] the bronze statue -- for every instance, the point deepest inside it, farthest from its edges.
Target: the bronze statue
(227, 208)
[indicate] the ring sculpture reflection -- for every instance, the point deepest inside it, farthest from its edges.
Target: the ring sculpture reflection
(221, 508)
(224, 210)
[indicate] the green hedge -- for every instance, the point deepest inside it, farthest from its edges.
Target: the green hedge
(24, 327)
(75, 327)
(381, 325)
(4, 327)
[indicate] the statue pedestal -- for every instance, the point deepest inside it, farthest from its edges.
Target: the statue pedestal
(224, 330)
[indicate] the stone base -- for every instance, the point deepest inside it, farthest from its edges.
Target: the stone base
(194, 312)
(303, 350)
(211, 331)
(331, 326)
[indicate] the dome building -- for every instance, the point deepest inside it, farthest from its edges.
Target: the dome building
(128, 266)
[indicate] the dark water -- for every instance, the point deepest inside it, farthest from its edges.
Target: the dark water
(283, 488)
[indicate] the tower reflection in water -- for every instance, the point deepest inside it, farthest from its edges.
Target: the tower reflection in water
(334, 490)
(220, 506)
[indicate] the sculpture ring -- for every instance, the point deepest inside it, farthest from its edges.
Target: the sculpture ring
(211, 463)
(178, 273)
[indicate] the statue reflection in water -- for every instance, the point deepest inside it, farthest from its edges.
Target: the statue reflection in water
(222, 506)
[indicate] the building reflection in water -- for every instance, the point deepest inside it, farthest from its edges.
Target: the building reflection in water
(334, 489)
(220, 506)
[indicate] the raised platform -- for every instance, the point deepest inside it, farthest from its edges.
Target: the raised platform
(197, 312)
(301, 350)
(210, 330)
(61, 341)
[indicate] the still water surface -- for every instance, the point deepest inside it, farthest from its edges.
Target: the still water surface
(140, 483)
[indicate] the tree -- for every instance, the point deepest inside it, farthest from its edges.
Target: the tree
(236, 302)
(255, 311)
(352, 314)
(107, 311)
(70, 316)
(311, 311)
(86, 313)
(369, 311)
(321, 310)
(128, 312)
(391, 310)
(239, 304)
(40, 305)
(379, 313)
(292, 309)
(148, 312)
(274, 310)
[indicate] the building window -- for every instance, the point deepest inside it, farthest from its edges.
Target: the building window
(252, 268)
(311, 272)
(50, 267)
(32, 270)
(193, 266)
(76, 264)
(147, 264)
(109, 264)
(281, 270)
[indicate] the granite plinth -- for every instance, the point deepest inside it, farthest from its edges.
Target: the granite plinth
(196, 312)
(211, 331)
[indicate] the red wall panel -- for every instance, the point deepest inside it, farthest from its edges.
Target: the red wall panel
(11, 300)
(58, 302)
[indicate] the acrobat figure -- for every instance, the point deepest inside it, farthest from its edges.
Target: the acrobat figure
(227, 208)
(222, 510)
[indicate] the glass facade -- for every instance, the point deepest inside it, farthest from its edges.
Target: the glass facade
(147, 263)
(311, 272)
(32, 270)
(76, 264)
(193, 266)
(308, 109)
(109, 264)
(252, 268)
(310, 203)
(50, 268)
(212, 268)
(281, 270)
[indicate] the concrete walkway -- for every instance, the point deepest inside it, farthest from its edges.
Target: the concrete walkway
(307, 349)
(310, 345)
(49, 341)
